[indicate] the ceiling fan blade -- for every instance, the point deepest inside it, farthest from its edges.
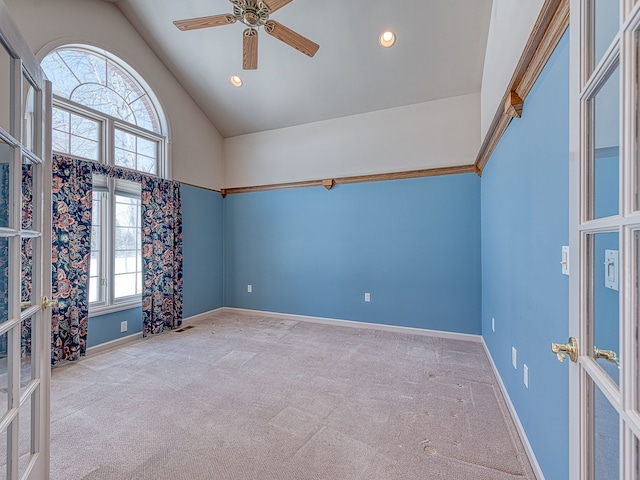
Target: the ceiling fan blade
(204, 22)
(291, 38)
(250, 49)
(274, 5)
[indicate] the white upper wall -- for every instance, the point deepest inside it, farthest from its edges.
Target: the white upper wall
(425, 135)
(511, 24)
(194, 143)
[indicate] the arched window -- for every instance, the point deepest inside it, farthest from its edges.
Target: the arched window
(104, 112)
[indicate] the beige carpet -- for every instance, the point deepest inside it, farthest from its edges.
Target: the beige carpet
(243, 397)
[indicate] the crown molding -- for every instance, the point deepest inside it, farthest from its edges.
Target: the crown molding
(551, 24)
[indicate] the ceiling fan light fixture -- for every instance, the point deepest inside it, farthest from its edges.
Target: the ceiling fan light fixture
(236, 81)
(387, 39)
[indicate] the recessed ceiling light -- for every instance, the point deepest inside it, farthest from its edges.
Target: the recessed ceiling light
(387, 39)
(236, 81)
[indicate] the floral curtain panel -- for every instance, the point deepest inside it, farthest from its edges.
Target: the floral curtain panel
(161, 255)
(161, 252)
(71, 253)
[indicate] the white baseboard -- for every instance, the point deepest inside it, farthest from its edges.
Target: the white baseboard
(354, 324)
(514, 414)
(201, 315)
(118, 342)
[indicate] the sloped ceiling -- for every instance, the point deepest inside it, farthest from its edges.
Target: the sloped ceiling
(439, 53)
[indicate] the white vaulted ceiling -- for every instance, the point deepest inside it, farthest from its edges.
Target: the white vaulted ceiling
(439, 53)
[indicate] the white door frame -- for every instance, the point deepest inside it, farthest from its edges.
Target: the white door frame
(35, 394)
(625, 399)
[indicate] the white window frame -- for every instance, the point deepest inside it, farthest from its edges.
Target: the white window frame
(106, 156)
(107, 302)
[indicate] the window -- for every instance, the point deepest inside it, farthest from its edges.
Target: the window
(104, 112)
(115, 279)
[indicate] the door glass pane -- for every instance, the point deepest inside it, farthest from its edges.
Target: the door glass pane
(6, 154)
(637, 153)
(24, 436)
(27, 194)
(4, 379)
(5, 88)
(605, 438)
(637, 312)
(3, 455)
(636, 470)
(604, 151)
(26, 268)
(4, 280)
(27, 368)
(605, 302)
(605, 20)
(29, 115)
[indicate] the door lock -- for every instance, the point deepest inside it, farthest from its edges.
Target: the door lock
(570, 348)
(46, 303)
(608, 355)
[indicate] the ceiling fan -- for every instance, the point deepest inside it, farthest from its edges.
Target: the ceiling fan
(254, 14)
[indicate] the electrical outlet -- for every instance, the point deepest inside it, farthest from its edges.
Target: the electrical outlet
(526, 375)
(514, 357)
(367, 297)
(493, 324)
(123, 326)
(249, 288)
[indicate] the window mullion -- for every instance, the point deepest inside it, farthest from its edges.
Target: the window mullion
(112, 241)
(104, 250)
(108, 142)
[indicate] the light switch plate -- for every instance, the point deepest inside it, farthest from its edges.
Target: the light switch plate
(565, 260)
(526, 375)
(249, 288)
(514, 357)
(611, 269)
(367, 297)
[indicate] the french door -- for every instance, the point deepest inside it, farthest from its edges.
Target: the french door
(25, 259)
(605, 240)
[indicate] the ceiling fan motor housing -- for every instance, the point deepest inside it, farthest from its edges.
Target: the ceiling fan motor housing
(251, 12)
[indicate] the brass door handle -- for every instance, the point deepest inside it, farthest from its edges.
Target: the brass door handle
(608, 355)
(46, 303)
(24, 305)
(570, 348)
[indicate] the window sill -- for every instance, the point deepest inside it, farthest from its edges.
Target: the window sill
(106, 309)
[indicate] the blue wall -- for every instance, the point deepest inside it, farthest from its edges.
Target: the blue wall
(525, 211)
(414, 245)
(202, 250)
(202, 267)
(104, 328)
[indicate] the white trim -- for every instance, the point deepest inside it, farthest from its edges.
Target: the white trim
(356, 324)
(516, 420)
(199, 316)
(104, 309)
(118, 342)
